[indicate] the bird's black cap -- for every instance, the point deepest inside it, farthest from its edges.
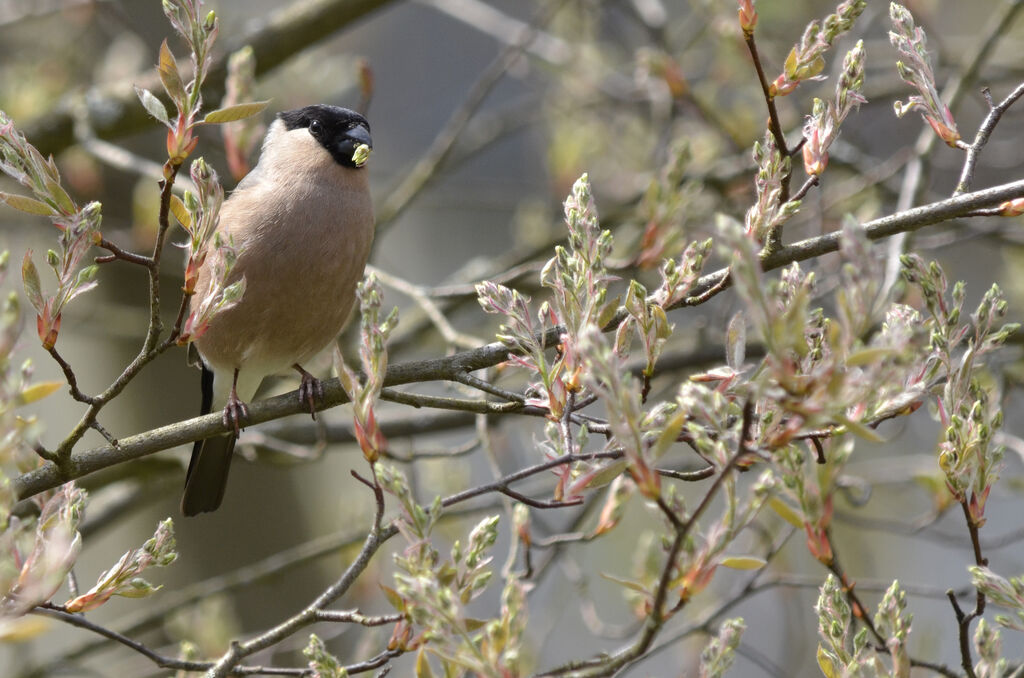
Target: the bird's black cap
(339, 130)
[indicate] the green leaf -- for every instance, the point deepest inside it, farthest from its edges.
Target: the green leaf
(786, 512)
(61, 197)
(869, 356)
(153, 106)
(170, 76)
(180, 212)
(233, 292)
(29, 205)
(394, 598)
(604, 317)
(861, 431)
(474, 624)
(30, 277)
(37, 392)
(792, 60)
(607, 474)
(743, 562)
(736, 342)
(136, 588)
(662, 327)
(23, 629)
(423, 665)
(827, 663)
(668, 436)
(636, 300)
(628, 583)
(236, 112)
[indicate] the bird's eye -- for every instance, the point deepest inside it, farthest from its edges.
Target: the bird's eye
(316, 128)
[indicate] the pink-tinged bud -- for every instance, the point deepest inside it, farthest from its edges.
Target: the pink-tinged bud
(193, 329)
(782, 86)
(814, 160)
(647, 480)
(818, 544)
(369, 436)
(748, 16)
(172, 145)
(948, 134)
(400, 636)
(523, 531)
(192, 272)
(716, 375)
(976, 507)
(695, 580)
(557, 396)
(180, 143)
(363, 440)
(1012, 208)
(610, 517)
(48, 328)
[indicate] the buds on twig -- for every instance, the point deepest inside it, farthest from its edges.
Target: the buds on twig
(916, 70)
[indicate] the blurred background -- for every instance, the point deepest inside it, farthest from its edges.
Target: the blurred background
(640, 94)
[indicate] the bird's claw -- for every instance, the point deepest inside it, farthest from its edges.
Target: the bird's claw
(234, 412)
(311, 391)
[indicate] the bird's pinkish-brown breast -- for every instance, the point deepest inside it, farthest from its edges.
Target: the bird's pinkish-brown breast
(302, 243)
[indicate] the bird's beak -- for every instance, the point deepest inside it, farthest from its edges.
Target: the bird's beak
(359, 135)
(348, 143)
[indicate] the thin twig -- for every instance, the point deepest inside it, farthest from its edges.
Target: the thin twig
(373, 541)
(805, 188)
(964, 620)
(118, 254)
(447, 403)
(774, 239)
(538, 504)
(69, 377)
(774, 123)
(988, 125)
(688, 476)
(487, 387)
(83, 623)
(502, 483)
(354, 617)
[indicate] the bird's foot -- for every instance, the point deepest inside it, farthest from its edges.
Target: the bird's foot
(311, 390)
(234, 412)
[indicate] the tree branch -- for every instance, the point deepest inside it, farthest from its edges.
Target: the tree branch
(984, 132)
(79, 464)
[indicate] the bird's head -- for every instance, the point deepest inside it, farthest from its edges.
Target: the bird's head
(337, 130)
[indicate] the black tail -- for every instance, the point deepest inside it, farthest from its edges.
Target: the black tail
(207, 474)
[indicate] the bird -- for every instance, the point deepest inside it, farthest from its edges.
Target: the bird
(301, 224)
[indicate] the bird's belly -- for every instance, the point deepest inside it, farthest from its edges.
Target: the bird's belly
(293, 306)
